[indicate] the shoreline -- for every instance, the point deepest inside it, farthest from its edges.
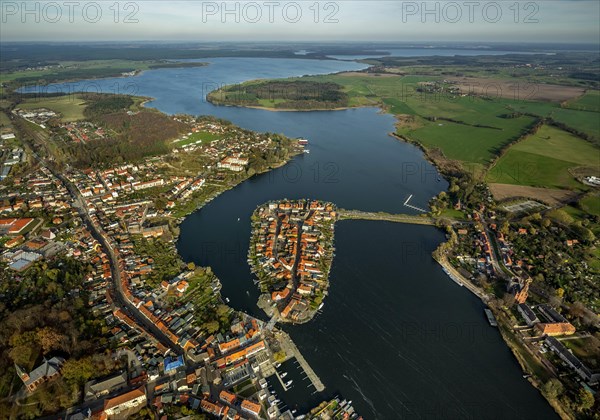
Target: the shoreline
(473, 289)
(266, 108)
(555, 405)
(137, 72)
(503, 325)
(300, 268)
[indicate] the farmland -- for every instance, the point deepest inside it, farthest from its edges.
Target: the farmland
(544, 160)
(588, 102)
(457, 141)
(551, 196)
(467, 126)
(70, 107)
(458, 118)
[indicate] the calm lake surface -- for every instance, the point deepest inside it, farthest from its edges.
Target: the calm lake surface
(396, 335)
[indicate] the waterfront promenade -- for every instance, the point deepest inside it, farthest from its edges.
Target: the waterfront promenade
(457, 277)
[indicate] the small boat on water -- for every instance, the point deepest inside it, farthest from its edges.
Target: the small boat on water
(283, 375)
(306, 151)
(321, 306)
(277, 365)
(302, 142)
(491, 318)
(288, 383)
(227, 299)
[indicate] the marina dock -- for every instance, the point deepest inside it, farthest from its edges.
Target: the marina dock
(290, 349)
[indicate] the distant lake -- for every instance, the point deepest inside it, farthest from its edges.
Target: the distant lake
(428, 52)
(396, 336)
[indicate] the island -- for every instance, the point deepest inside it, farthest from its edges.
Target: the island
(291, 252)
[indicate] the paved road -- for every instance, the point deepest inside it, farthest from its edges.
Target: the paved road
(398, 218)
(120, 300)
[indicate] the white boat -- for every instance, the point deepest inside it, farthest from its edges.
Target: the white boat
(227, 300)
(277, 365)
(283, 375)
(306, 151)
(288, 383)
(238, 219)
(321, 306)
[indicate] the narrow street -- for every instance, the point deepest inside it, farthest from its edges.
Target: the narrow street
(120, 299)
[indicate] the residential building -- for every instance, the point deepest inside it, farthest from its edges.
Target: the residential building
(125, 405)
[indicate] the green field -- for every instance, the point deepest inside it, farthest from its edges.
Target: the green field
(72, 70)
(470, 129)
(587, 122)
(588, 102)
(544, 159)
(463, 142)
(5, 121)
(591, 204)
(70, 106)
(473, 130)
(478, 134)
(486, 132)
(203, 136)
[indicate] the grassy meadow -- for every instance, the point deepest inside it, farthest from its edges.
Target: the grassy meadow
(70, 107)
(544, 160)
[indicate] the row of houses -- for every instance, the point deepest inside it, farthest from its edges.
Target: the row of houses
(289, 250)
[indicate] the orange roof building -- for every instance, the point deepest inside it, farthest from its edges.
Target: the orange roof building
(251, 407)
(228, 397)
(126, 404)
(556, 328)
(14, 226)
(228, 346)
(255, 348)
(280, 295)
(212, 408)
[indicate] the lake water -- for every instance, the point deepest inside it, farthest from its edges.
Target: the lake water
(396, 335)
(423, 52)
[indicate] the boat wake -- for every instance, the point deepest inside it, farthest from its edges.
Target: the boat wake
(362, 394)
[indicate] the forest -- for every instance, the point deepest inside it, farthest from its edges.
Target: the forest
(43, 314)
(283, 95)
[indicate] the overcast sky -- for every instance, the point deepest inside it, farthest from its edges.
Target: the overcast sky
(486, 21)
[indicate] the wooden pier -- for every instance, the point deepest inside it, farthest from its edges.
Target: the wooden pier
(290, 349)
